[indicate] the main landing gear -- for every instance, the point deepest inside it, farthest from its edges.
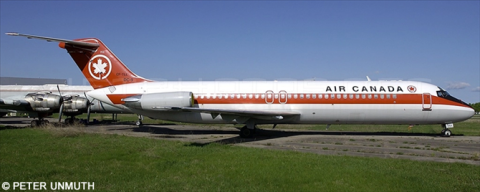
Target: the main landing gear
(41, 121)
(139, 121)
(71, 120)
(446, 131)
(38, 123)
(248, 131)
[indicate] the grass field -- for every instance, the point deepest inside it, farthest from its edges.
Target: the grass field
(470, 127)
(121, 163)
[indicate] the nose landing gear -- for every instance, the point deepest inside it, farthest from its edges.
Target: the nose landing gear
(446, 130)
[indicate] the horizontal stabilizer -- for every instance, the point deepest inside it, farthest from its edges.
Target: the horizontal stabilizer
(49, 39)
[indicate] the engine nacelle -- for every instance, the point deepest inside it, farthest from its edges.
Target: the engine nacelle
(159, 101)
(44, 101)
(75, 104)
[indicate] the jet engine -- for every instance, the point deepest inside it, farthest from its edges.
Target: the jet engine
(44, 102)
(159, 101)
(75, 104)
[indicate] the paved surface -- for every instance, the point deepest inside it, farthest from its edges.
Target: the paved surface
(424, 147)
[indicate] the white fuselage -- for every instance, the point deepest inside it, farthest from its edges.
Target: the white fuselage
(330, 102)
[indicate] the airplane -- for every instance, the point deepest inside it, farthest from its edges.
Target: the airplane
(251, 103)
(40, 101)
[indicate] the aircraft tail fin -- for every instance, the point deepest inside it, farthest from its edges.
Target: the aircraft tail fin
(98, 64)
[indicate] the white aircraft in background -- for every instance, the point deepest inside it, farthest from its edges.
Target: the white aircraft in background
(261, 102)
(41, 101)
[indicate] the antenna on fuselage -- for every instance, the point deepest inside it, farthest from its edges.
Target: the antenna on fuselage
(368, 78)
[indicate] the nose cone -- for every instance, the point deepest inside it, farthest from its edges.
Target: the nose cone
(465, 113)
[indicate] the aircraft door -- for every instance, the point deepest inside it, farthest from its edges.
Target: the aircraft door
(282, 97)
(269, 97)
(426, 102)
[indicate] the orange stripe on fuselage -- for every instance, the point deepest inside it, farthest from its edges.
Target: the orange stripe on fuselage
(337, 99)
(244, 98)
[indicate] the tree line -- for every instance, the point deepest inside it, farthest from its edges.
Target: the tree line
(476, 106)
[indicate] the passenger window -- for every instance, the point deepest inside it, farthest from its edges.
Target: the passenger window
(363, 96)
(320, 96)
(250, 96)
(232, 96)
(244, 96)
(388, 96)
(301, 96)
(238, 96)
(276, 96)
(256, 96)
(263, 96)
(339, 96)
(214, 96)
(357, 96)
(332, 96)
(394, 96)
(369, 96)
(382, 96)
(326, 96)
(351, 96)
(345, 96)
(289, 96)
(314, 96)
(308, 96)
(375, 96)
(295, 96)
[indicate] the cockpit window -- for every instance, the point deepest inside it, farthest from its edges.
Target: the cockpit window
(442, 93)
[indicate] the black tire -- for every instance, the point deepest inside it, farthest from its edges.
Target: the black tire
(71, 121)
(34, 123)
(447, 133)
(246, 132)
(44, 122)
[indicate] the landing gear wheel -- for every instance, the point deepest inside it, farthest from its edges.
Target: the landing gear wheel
(246, 132)
(69, 121)
(446, 133)
(34, 123)
(44, 122)
(139, 121)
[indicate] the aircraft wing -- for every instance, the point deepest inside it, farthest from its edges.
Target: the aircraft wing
(8, 105)
(264, 115)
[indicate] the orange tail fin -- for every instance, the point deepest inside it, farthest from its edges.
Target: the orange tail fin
(99, 65)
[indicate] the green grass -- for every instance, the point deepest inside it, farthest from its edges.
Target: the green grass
(121, 163)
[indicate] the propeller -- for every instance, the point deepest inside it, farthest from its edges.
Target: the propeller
(61, 106)
(90, 103)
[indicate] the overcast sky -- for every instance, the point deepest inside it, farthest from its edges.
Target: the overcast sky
(433, 41)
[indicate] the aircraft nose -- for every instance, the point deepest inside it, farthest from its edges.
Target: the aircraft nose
(469, 112)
